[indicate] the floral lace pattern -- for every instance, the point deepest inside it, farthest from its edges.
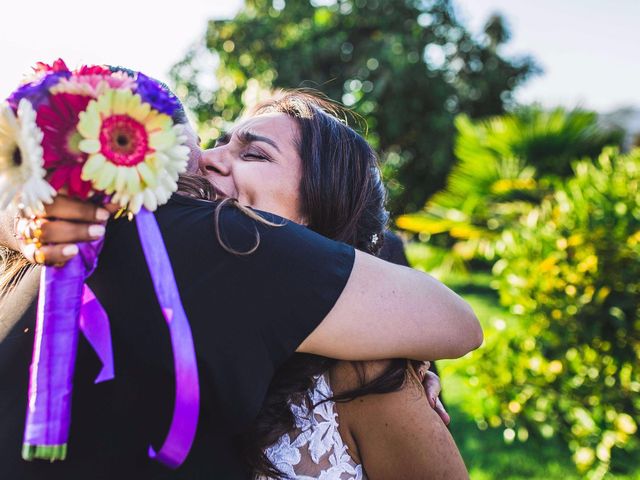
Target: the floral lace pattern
(315, 450)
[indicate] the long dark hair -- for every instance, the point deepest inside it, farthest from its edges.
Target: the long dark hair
(341, 189)
(343, 198)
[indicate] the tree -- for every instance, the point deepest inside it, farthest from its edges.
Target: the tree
(407, 67)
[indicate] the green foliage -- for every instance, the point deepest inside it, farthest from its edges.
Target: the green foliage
(406, 66)
(503, 452)
(569, 363)
(504, 168)
(434, 260)
(546, 140)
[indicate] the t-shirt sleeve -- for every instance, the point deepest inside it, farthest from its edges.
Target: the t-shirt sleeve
(294, 276)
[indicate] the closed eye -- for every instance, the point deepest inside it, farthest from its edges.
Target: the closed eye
(255, 156)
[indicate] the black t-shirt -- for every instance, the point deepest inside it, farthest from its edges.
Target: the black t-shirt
(247, 313)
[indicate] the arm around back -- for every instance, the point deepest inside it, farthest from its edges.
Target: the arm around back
(390, 311)
(384, 311)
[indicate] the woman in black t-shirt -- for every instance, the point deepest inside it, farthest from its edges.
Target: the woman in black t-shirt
(312, 282)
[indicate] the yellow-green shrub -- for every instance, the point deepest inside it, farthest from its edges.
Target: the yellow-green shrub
(570, 272)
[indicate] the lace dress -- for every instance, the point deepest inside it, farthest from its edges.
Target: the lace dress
(315, 450)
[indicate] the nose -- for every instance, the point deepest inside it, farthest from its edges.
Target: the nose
(215, 160)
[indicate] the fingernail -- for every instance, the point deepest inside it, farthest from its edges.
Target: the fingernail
(432, 401)
(102, 214)
(70, 250)
(96, 231)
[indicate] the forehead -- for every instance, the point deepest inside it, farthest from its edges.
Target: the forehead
(277, 126)
(193, 143)
(188, 130)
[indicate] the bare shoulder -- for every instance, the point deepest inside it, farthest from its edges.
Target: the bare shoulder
(396, 434)
(347, 376)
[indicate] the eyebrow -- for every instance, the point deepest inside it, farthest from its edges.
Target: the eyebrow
(248, 137)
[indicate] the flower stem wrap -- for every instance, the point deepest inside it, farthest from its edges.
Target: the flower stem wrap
(54, 354)
(65, 307)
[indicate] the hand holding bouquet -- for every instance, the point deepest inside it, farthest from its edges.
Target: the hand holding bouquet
(103, 135)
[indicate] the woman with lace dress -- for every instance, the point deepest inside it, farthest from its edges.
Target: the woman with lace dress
(395, 435)
(324, 418)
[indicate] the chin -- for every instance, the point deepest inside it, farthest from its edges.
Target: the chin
(220, 195)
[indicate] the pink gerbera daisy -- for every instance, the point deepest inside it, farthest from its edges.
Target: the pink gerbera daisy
(58, 122)
(58, 66)
(92, 70)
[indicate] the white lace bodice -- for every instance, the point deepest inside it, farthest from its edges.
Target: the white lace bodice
(315, 450)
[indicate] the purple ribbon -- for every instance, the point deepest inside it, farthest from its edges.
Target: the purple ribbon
(94, 325)
(54, 354)
(65, 307)
(187, 396)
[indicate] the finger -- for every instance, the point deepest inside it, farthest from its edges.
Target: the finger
(21, 228)
(432, 387)
(421, 369)
(28, 230)
(68, 208)
(61, 231)
(112, 207)
(50, 254)
(442, 413)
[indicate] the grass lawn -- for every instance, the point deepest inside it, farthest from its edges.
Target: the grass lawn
(485, 452)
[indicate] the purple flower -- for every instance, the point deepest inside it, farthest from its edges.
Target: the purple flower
(157, 95)
(36, 92)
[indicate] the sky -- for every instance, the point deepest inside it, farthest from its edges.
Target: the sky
(588, 49)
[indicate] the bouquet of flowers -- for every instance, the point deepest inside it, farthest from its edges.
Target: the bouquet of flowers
(104, 135)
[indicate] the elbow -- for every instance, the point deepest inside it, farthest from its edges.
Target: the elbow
(477, 336)
(468, 334)
(474, 334)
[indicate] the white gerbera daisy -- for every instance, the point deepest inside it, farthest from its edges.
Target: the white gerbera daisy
(21, 163)
(135, 152)
(167, 182)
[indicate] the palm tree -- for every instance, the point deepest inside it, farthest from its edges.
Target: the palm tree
(506, 165)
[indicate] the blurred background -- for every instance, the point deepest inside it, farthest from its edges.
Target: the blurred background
(506, 131)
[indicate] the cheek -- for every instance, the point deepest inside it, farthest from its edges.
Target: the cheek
(294, 194)
(286, 193)
(265, 187)
(249, 183)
